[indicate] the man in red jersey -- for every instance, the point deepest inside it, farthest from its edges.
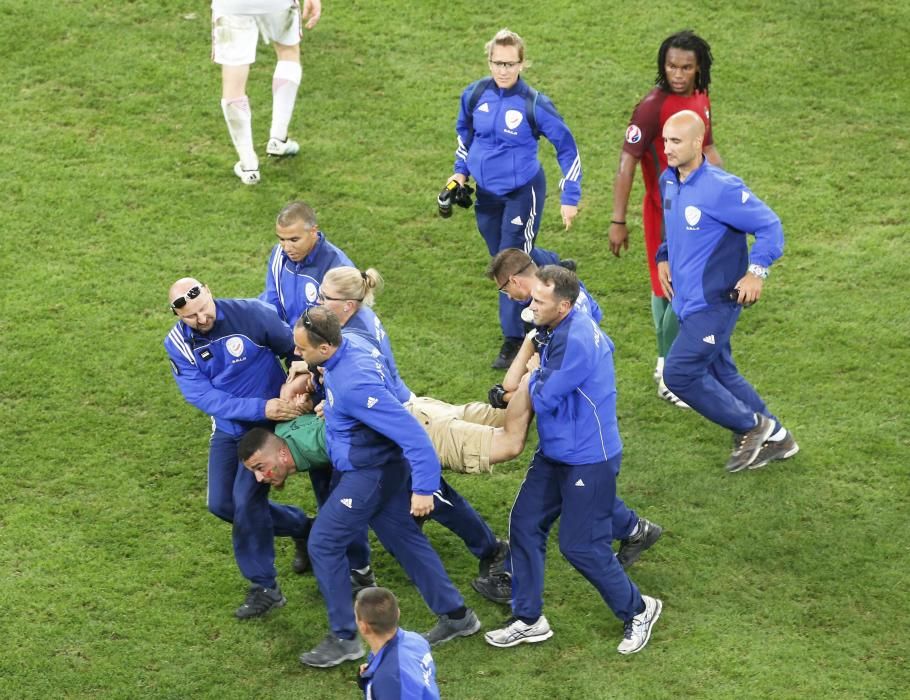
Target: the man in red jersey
(683, 75)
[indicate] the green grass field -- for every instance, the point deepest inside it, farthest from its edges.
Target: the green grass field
(116, 582)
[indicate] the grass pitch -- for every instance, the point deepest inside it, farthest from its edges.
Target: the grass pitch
(788, 582)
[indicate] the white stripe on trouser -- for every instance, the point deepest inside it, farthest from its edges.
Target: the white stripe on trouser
(438, 495)
(529, 226)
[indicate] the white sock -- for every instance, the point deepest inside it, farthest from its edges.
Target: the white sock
(635, 531)
(779, 435)
(285, 82)
(660, 366)
(239, 119)
(364, 571)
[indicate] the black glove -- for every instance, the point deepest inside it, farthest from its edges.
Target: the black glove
(497, 396)
(463, 196)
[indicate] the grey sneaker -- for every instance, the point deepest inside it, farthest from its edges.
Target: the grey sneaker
(495, 587)
(332, 651)
(630, 549)
(260, 601)
(496, 562)
(301, 563)
(637, 631)
(360, 581)
(517, 632)
(279, 148)
(772, 451)
(749, 444)
(446, 628)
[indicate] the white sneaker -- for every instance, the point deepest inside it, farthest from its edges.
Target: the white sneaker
(637, 631)
(247, 177)
(516, 632)
(667, 395)
(278, 148)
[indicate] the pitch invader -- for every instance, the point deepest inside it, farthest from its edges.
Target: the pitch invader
(236, 28)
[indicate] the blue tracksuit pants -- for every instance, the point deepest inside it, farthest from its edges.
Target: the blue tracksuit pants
(585, 497)
(700, 370)
(235, 496)
(380, 498)
(359, 549)
(452, 511)
(511, 221)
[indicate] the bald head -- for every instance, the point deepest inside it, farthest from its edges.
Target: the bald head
(192, 302)
(688, 121)
(684, 134)
(181, 287)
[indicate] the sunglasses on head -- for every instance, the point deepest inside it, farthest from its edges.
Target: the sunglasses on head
(190, 294)
(310, 326)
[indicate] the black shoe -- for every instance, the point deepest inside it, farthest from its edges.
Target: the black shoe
(496, 562)
(260, 601)
(332, 651)
(360, 581)
(630, 550)
(496, 587)
(301, 563)
(569, 264)
(507, 353)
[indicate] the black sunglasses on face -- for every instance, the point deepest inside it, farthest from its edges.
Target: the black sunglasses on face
(191, 294)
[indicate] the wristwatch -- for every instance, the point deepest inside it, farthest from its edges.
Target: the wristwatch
(759, 271)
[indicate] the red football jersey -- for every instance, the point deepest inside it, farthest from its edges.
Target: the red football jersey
(644, 135)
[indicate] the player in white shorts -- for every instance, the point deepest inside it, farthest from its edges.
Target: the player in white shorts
(236, 28)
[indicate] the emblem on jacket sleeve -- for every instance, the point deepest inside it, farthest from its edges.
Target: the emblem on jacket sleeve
(330, 396)
(633, 134)
(234, 345)
(693, 215)
(513, 119)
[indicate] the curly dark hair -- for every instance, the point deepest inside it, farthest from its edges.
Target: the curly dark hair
(687, 40)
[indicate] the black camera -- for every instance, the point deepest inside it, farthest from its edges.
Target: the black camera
(444, 200)
(453, 193)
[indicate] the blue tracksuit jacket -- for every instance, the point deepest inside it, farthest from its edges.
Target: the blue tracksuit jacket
(231, 371)
(402, 670)
(706, 219)
(498, 149)
(366, 425)
(292, 287)
(585, 302)
(574, 393)
(366, 324)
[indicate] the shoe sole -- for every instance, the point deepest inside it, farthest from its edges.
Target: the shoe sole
(460, 633)
(279, 604)
(347, 657)
(521, 640)
(787, 455)
(487, 596)
(660, 607)
(281, 155)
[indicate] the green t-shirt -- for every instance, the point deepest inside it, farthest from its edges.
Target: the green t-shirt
(305, 437)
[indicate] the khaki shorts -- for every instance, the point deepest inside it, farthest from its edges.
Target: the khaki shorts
(234, 37)
(461, 435)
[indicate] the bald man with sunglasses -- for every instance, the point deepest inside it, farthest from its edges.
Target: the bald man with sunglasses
(224, 354)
